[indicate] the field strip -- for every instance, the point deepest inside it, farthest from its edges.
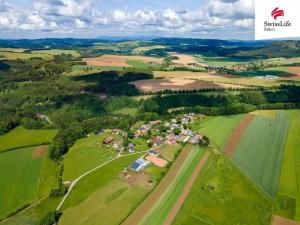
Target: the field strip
(153, 216)
(278, 220)
(146, 205)
(233, 142)
(186, 190)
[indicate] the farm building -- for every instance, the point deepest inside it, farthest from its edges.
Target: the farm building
(108, 140)
(156, 161)
(139, 164)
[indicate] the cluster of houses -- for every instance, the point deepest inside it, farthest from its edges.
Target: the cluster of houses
(174, 131)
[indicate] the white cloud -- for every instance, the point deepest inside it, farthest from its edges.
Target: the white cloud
(72, 16)
(80, 24)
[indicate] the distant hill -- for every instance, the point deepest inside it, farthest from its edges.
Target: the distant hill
(286, 49)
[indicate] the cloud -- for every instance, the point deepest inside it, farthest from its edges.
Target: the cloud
(74, 16)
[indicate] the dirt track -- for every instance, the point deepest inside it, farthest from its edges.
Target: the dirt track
(235, 137)
(277, 220)
(146, 205)
(185, 191)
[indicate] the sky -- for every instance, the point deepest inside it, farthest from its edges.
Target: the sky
(219, 19)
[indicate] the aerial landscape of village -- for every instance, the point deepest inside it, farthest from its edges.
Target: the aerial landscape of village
(148, 128)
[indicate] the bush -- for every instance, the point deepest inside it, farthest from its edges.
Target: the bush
(51, 218)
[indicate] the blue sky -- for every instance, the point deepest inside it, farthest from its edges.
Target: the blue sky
(222, 19)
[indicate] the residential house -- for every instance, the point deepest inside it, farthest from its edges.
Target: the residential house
(157, 141)
(131, 148)
(118, 145)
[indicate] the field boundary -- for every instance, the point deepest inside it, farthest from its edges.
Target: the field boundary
(186, 190)
(137, 215)
(234, 139)
(25, 146)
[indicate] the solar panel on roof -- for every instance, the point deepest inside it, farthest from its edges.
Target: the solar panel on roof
(135, 165)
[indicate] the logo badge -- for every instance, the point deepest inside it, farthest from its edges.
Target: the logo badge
(277, 12)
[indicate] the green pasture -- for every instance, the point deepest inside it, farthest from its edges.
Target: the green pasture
(168, 151)
(103, 196)
(260, 151)
(289, 188)
(126, 111)
(22, 137)
(24, 179)
(7, 55)
(98, 179)
(33, 215)
(110, 204)
(218, 129)
(140, 50)
(58, 52)
(86, 154)
(165, 203)
(139, 64)
(220, 61)
(232, 201)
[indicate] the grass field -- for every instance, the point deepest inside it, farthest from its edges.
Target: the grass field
(164, 204)
(139, 64)
(219, 61)
(140, 50)
(33, 215)
(86, 154)
(103, 196)
(22, 137)
(6, 55)
(58, 52)
(289, 188)
(218, 129)
(169, 152)
(233, 201)
(260, 151)
(126, 111)
(23, 179)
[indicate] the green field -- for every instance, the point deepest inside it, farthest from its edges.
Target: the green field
(126, 111)
(86, 154)
(103, 196)
(233, 201)
(260, 151)
(169, 152)
(219, 61)
(22, 137)
(165, 203)
(33, 215)
(138, 64)
(289, 188)
(58, 52)
(140, 50)
(6, 55)
(24, 179)
(218, 129)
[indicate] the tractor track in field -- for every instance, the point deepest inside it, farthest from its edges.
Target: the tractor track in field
(138, 214)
